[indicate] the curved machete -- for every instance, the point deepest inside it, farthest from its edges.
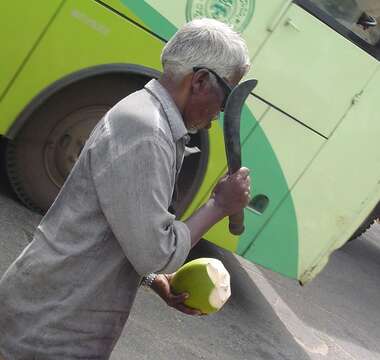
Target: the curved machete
(232, 114)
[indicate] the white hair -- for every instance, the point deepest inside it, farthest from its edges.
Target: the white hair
(206, 43)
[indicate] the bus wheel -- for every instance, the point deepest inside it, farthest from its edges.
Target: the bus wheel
(46, 148)
(373, 217)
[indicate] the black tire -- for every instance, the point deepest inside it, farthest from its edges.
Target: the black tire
(367, 223)
(45, 149)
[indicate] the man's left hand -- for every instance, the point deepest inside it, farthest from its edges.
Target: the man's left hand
(161, 285)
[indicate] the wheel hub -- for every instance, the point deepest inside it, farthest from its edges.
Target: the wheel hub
(67, 140)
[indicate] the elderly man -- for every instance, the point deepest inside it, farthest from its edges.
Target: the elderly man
(69, 294)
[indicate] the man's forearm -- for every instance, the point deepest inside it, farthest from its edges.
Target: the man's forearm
(198, 223)
(203, 219)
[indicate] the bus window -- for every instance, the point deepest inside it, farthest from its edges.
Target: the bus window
(359, 16)
(358, 20)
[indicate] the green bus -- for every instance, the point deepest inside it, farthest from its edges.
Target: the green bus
(310, 130)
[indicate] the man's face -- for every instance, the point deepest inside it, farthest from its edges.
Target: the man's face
(207, 98)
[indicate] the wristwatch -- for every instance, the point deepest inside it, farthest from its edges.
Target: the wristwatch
(148, 280)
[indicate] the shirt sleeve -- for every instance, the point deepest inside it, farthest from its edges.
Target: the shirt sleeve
(134, 190)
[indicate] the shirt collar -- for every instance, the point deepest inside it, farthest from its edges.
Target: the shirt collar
(174, 117)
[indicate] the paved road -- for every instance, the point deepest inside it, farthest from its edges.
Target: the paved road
(268, 317)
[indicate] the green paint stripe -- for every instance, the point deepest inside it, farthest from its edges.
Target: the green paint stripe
(152, 18)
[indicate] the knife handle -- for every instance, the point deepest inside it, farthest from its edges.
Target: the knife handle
(236, 225)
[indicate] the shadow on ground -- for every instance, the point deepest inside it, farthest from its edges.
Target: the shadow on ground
(246, 328)
(342, 303)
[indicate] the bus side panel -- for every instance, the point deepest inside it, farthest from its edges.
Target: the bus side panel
(21, 26)
(331, 199)
(310, 71)
(342, 186)
(84, 34)
(251, 18)
(278, 152)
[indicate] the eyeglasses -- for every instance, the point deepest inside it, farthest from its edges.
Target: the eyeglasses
(223, 83)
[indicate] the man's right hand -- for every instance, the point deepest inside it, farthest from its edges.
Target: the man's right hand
(232, 193)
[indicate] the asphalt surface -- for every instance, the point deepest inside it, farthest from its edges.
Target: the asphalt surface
(268, 317)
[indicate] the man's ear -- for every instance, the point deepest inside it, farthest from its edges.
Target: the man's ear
(199, 82)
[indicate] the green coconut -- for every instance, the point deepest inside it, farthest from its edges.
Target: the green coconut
(207, 282)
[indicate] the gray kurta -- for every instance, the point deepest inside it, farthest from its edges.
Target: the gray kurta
(69, 294)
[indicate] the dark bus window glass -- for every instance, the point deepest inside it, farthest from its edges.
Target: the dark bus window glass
(362, 17)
